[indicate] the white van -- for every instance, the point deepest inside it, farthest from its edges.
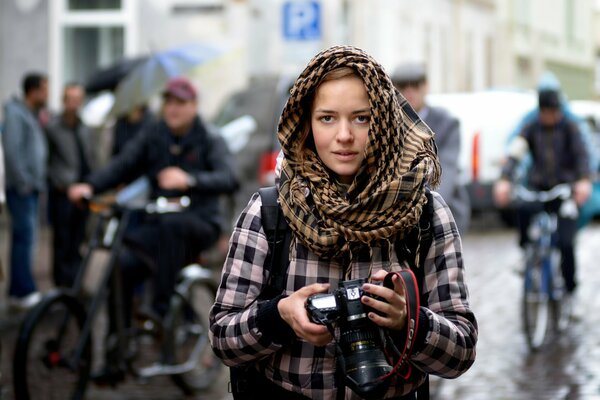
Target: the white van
(486, 120)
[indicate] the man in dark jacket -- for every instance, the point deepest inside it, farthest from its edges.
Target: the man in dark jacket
(70, 159)
(25, 154)
(180, 156)
(411, 80)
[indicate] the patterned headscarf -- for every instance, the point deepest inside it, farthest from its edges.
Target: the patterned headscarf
(388, 192)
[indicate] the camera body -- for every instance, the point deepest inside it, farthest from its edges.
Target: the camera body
(360, 339)
(344, 302)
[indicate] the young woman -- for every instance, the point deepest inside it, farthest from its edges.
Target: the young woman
(357, 165)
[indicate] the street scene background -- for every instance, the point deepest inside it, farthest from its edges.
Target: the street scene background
(483, 60)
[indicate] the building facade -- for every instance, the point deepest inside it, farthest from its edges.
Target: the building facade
(466, 44)
(555, 35)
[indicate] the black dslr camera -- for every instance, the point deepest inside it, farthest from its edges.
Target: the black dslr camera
(360, 339)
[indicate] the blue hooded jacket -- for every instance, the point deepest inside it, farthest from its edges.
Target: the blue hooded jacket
(548, 81)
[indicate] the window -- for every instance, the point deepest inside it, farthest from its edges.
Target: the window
(80, 5)
(87, 48)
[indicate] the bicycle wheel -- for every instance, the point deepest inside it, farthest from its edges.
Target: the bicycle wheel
(43, 366)
(536, 305)
(187, 338)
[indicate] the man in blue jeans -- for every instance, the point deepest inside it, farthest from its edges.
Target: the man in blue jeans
(25, 156)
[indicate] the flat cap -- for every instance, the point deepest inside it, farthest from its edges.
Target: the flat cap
(181, 88)
(409, 72)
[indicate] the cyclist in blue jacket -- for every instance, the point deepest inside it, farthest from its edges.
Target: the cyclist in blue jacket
(559, 155)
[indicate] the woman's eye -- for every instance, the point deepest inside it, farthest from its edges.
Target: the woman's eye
(363, 119)
(326, 118)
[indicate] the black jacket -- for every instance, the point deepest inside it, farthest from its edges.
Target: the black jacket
(559, 155)
(64, 158)
(201, 153)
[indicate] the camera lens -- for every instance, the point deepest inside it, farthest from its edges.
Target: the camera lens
(361, 344)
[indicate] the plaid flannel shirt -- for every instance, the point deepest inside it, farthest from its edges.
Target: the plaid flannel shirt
(241, 334)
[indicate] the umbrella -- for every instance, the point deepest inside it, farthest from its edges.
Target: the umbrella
(109, 77)
(95, 111)
(148, 78)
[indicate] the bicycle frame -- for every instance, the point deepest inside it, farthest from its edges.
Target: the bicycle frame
(544, 245)
(542, 290)
(181, 334)
(112, 240)
(189, 276)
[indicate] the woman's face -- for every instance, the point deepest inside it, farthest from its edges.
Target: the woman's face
(340, 119)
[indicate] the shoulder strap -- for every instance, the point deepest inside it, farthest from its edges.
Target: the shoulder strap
(426, 228)
(415, 246)
(279, 236)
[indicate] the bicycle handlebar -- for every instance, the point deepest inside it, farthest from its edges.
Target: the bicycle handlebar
(561, 191)
(167, 205)
(160, 205)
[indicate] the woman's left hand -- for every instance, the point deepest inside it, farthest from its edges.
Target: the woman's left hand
(392, 308)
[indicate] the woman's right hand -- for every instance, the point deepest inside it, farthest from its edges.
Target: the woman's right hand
(293, 311)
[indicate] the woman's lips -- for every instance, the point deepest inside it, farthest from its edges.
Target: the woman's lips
(345, 155)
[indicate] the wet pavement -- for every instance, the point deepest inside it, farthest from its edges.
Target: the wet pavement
(567, 369)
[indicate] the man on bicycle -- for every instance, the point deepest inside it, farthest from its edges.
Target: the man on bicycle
(558, 156)
(181, 157)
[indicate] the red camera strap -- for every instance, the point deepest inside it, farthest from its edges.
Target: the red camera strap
(412, 296)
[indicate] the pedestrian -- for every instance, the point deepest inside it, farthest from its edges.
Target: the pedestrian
(129, 125)
(70, 159)
(411, 80)
(558, 155)
(181, 156)
(25, 154)
(354, 180)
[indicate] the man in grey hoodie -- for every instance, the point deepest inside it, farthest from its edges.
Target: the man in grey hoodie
(25, 156)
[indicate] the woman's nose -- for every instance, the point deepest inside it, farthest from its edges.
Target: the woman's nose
(344, 133)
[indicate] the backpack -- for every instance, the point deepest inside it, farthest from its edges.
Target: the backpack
(277, 262)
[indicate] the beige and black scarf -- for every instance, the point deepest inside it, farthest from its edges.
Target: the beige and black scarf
(388, 192)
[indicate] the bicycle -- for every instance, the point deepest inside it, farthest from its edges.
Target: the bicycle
(53, 354)
(543, 302)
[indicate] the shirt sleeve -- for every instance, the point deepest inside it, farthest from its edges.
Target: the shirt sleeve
(449, 346)
(14, 141)
(235, 333)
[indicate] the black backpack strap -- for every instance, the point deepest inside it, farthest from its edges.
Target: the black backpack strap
(415, 245)
(245, 382)
(279, 237)
(426, 238)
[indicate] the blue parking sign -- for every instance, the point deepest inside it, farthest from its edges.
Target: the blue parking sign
(302, 20)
